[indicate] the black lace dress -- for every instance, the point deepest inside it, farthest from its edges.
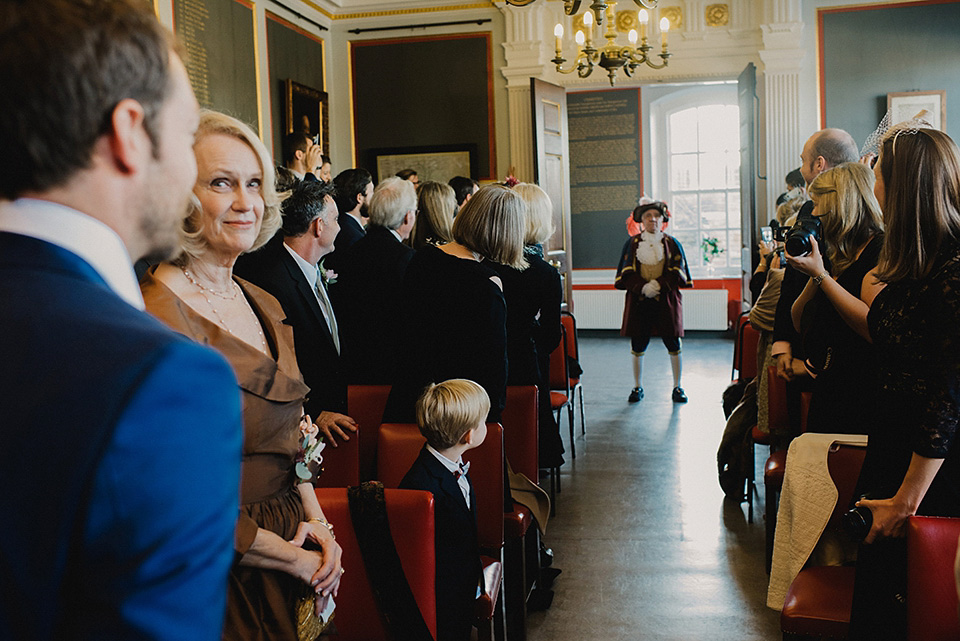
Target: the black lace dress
(915, 326)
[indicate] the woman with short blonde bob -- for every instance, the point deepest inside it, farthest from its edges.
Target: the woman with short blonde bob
(285, 547)
(454, 314)
(436, 204)
(533, 299)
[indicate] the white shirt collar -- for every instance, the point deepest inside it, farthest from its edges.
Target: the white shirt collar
(394, 232)
(83, 235)
(309, 271)
(453, 466)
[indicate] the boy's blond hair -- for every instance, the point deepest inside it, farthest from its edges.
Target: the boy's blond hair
(448, 410)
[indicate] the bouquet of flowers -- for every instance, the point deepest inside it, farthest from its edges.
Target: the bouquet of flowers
(309, 458)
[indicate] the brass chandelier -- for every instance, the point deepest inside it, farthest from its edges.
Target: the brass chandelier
(610, 56)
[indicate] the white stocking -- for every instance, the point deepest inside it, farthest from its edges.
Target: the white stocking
(677, 367)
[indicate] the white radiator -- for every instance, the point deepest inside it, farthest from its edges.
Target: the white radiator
(603, 309)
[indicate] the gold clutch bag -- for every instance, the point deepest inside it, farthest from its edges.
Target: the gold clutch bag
(309, 625)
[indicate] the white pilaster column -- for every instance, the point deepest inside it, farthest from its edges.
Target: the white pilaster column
(781, 56)
(524, 31)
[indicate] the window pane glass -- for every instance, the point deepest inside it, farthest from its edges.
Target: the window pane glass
(683, 131)
(713, 171)
(733, 209)
(706, 251)
(715, 127)
(713, 211)
(690, 242)
(732, 162)
(734, 244)
(683, 212)
(683, 172)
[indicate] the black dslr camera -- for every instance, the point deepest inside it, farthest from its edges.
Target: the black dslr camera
(797, 240)
(856, 523)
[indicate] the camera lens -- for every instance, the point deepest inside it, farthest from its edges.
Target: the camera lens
(857, 523)
(798, 242)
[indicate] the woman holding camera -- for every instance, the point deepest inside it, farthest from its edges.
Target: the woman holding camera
(839, 360)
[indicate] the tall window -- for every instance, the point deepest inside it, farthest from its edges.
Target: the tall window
(699, 174)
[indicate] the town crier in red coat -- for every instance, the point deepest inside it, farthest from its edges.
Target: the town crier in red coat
(652, 270)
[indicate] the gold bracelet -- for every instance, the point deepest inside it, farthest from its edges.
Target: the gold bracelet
(324, 523)
(819, 279)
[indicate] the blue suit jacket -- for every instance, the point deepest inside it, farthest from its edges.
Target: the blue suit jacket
(119, 461)
(457, 546)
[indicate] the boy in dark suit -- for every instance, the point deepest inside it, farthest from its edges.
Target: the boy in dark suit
(452, 416)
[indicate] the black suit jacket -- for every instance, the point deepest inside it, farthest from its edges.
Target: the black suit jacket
(457, 547)
(275, 270)
(350, 232)
(367, 296)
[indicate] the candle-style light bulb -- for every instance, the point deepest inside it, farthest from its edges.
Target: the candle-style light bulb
(664, 29)
(558, 34)
(588, 24)
(644, 19)
(580, 38)
(632, 36)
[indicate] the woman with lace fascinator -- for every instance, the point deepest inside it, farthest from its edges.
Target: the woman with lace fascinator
(653, 269)
(909, 310)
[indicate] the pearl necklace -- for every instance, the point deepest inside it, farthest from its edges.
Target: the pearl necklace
(216, 313)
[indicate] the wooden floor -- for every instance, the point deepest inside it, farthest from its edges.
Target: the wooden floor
(648, 546)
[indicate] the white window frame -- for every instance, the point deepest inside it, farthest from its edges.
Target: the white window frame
(719, 93)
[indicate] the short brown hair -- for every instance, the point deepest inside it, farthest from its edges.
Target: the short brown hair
(448, 410)
(921, 208)
(848, 211)
(492, 223)
(64, 67)
(192, 242)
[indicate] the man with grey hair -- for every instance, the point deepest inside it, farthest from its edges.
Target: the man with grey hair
(824, 150)
(368, 283)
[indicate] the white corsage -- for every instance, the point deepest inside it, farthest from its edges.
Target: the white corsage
(650, 248)
(309, 457)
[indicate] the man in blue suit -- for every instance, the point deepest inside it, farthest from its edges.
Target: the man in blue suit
(119, 440)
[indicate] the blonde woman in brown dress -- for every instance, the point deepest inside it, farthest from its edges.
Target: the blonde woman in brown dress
(285, 546)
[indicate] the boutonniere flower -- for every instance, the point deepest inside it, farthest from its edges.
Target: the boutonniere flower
(309, 457)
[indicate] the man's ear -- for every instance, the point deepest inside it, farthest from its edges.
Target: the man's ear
(316, 227)
(467, 438)
(130, 145)
(409, 218)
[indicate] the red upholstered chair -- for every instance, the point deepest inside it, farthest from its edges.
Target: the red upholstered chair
(561, 395)
(773, 470)
(745, 350)
(573, 350)
(819, 600)
(398, 448)
(520, 420)
(341, 464)
(931, 550)
(411, 523)
(365, 404)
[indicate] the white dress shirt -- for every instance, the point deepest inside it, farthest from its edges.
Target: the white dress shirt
(80, 234)
(312, 274)
(454, 467)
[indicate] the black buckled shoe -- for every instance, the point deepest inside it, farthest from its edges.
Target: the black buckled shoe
(636, 395)
(679, 396)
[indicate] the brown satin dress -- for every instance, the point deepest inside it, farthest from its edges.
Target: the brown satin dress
(261, 603)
